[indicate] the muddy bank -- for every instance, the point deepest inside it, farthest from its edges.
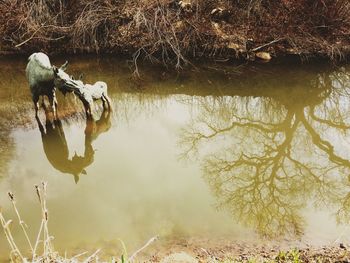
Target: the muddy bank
(224, 251)
(175, 32)
(195, 249)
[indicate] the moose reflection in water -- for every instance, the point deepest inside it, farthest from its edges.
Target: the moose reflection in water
(267, 158)
(56, 147)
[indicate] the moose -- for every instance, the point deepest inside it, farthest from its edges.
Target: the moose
(87, 93)
(44, 78)
(40, 75)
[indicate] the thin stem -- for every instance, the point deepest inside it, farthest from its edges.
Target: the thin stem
(9, 236)
(20, 221)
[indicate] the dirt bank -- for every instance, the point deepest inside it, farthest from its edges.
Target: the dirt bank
(223, 251)
(213, 250)
(176, 32)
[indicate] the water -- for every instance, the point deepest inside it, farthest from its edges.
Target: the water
(247, 153)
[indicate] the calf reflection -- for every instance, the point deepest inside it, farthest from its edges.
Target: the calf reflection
(56, 147)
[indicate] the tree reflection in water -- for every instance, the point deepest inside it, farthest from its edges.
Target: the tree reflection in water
(266, 158)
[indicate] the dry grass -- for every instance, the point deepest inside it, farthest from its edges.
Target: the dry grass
(92, 26)
(43, 242)
(43, 238)
(32, 24)
(173, 32)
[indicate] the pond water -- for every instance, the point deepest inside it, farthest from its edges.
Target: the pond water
(242, 153)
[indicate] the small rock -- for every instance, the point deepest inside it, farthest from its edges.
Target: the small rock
(341, 245)
(186, 6)
(263, 55)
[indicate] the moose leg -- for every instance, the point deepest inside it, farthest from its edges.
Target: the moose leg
(56, 105)
(53, 104)
(51, 101)
(36, 103)
(43, 102)
(87, 108)
(105, 96)
(103, 102)
(44, 105)
(55, 101)
(90, 111)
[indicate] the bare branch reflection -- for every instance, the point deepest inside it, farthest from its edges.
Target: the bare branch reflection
(266, 158)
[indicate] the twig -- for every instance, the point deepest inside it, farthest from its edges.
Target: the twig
(41, 192)
(38, 239)
(9, 237)
(92, 256)
(20, 221)
(3, 224)
(25, 41)
(79, 255)
(47, 239)
(267, 44)
(142, 248)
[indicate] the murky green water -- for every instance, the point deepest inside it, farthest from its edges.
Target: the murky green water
(244, 153)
